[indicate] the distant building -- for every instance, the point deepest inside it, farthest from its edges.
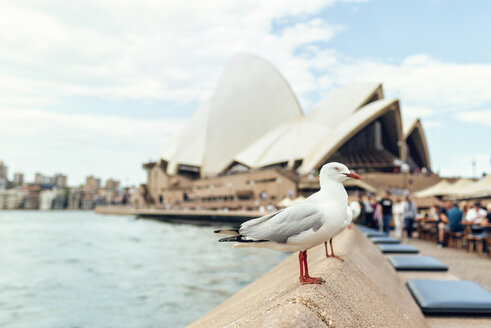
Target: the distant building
(38, 178)
(74, 198)
(41, 179)
(18, 179)
(87, 201)
(60, 180)
(251, 144)
(92, 183)
(112, 184)
(4, 170)
(31, 201)
(46, 198)
(60, 201)
(12, 198)
(4, 179)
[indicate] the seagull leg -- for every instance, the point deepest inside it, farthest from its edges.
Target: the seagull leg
(332, 251)
(304, 276)
(300, 261)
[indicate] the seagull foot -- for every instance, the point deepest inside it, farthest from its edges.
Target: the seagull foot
(336, 257)
(311, 280)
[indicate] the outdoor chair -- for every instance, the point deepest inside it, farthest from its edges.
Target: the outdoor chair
(475, 243)
(455, 239)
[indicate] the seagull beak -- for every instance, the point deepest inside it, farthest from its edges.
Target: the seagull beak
(353, 176)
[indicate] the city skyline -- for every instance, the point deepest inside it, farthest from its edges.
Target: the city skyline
(99, 89)
(18, 178)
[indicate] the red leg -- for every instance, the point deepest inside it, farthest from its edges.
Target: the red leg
(325, 246)
(300, 261)
(332, 252)
(304, 275)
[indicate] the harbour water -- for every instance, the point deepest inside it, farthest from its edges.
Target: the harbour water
(81, 269)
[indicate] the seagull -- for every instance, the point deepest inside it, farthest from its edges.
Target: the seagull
(304, 225)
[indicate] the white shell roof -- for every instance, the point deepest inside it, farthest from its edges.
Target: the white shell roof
(254, 118)
(347, 129)
(342, 103)
(188, 146)
(409, 126)
(296, 139)
(251, 99)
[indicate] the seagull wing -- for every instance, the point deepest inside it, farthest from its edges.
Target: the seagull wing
(280, 226)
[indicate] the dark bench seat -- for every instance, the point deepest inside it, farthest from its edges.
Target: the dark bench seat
(416, 263)
(397, 248)
(450, 296)
(385, 240)
(374, 233)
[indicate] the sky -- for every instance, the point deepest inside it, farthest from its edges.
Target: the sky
(97, 87)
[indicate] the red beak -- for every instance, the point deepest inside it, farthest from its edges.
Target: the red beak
(353, 176)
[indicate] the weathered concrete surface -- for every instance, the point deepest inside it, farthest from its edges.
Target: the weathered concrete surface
(362, 291)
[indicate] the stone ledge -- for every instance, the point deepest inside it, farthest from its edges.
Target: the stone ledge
(362, 291)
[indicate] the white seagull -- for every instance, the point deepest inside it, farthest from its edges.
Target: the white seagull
(304, 225)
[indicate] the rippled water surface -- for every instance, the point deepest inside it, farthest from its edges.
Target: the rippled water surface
(80, 269)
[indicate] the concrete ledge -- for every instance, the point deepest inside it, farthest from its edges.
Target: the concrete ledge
(363, 291)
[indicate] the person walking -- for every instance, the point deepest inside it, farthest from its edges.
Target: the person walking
(397, 212)
(410, 213)
(386, 204)
(367, 205)
(377, 215)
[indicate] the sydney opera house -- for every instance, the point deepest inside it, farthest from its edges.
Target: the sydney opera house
(251, 144)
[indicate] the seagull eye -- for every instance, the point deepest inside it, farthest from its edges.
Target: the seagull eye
(336, 169)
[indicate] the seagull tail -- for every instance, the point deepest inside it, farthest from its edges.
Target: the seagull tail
(231, 232)
(241, 239)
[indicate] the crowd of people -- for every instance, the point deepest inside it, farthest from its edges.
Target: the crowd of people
(379, 213)
(464, 217)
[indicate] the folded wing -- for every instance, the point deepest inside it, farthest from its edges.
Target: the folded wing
(287, 223)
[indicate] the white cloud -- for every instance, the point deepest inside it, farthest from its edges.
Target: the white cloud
(479, 117)
(427, 124)
(81, 144)
(425, 83)
(462, 165)
(417, 111)
(151, 49)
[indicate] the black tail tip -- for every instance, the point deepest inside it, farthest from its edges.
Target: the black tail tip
(229, 239)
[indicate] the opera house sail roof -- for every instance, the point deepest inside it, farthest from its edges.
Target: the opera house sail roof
(254, 121)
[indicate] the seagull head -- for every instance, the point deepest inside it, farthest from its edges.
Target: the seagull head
(337, 172)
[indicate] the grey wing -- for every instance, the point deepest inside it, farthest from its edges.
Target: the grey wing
(280, 226)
